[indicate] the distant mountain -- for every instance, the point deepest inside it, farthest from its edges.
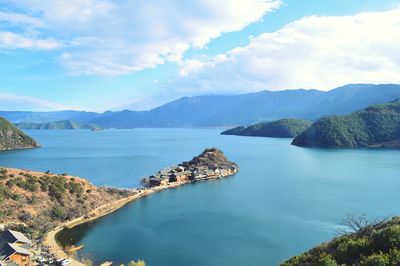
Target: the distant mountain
(284, 128)
(375, 126)
(64, 124)
(11, 138)
(210, 111)
(46, 117)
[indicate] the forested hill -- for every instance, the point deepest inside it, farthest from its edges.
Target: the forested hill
(284, 128)
(12, 138)
(64, 124)
(375, 126)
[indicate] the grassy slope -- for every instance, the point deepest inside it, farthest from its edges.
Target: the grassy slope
(284, 128)
(374, 126)
(373, 245)
(13, 138)
(39, 201)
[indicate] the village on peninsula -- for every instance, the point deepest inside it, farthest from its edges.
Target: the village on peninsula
(72, 201)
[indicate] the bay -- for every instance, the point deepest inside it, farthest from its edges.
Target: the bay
(284, 200)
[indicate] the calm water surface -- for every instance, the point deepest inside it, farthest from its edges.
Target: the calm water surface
(284, 200)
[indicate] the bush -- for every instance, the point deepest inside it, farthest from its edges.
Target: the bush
(75, 188)
(379, 259)
(57, 213)
(350, 249)
(326, 260)
(387, 238)
(394, 256)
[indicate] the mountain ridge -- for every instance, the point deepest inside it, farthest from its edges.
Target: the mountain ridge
(231, 110)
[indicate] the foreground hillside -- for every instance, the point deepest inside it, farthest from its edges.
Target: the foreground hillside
(12, 138)
(64, 124)
(37, 201)
(375, 126)
(225, 110)
(284, 128)
(371, 245)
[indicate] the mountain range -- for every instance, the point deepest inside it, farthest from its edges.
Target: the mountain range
(230, 110)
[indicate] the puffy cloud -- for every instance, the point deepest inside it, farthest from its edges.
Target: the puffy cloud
(314, 52)
(11, 101)
(115, 37)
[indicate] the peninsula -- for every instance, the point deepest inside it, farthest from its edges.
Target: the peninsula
(43, 204)
(284, 128)
(373, 127)
(11, 138)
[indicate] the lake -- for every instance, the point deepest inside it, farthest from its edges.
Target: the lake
(284, 200)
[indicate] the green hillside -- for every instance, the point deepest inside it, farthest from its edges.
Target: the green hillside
(370, 245)
(12, 138)
(375, 126)
(284, 128)
(64, 124)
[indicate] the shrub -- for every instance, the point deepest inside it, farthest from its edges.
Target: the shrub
(326, 260)
(350, 249)
(57, 213)
(378, 259)
(387, 238)
(394, 256)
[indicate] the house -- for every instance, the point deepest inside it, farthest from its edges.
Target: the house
(179, 169)
(202, 168)
(14, 248)
(154, 181)
(173, 178)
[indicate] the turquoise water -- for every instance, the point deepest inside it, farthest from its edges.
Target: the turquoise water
(284, 200)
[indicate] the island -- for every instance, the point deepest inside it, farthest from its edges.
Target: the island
(284, 128)
(63, 124)
(369, 244)
(42, 204)
(373, 127)
(12, 138)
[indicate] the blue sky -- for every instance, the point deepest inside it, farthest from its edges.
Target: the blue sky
(110, 55)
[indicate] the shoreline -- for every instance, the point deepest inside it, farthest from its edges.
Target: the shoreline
(50, 240)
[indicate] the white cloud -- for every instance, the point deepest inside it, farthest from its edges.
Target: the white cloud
(314, 52)
(12, 40)
(17, 18)
(11, 101)
(115, 37)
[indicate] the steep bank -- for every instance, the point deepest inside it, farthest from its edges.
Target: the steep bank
(370, 245)
(375, 126)
(284, 128)
(11, 138)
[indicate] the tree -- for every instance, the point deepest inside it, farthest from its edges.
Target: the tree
(137, 263)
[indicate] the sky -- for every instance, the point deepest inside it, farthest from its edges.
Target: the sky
(99, 55)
